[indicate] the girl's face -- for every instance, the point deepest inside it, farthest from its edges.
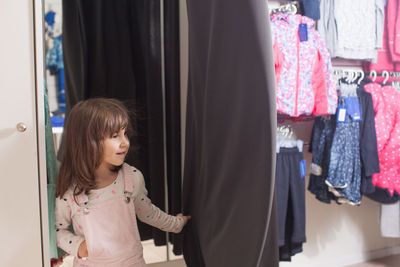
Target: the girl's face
(115, 148)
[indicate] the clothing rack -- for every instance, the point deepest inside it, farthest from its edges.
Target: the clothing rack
(383, 73)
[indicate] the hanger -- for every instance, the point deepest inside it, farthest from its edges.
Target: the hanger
(354, 77)
(361, 77)
(373, 74)
(385, 74)
(285, 132)
(289, 8)
(349, 76)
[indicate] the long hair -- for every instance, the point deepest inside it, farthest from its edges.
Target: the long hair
(88, 124)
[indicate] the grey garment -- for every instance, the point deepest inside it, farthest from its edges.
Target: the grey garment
(327, 25)
(230, 137)
(390, 220)
(352, 29)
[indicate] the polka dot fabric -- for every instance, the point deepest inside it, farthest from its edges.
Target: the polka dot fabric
(69, 211)
(387, 123)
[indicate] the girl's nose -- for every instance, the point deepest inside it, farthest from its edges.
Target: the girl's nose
(125, 142)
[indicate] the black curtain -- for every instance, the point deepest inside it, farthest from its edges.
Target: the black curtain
(113, 49)
(230, 136)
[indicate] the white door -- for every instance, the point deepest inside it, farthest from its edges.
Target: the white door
(20, 224)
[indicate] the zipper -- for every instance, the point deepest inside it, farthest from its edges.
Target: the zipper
(298, 71)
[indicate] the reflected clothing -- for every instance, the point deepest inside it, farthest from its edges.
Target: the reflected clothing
(128, 186)
(52, 172)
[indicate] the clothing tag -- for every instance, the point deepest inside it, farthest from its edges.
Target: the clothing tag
(303, 32)
(353, 108)
(341, 114)
(315, 169)
(303, 168)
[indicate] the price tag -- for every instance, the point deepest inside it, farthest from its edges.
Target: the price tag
(303, 34)
(341, 114)
(303, 168)
(353, 108)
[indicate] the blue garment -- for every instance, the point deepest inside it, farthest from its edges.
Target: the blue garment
(320, 147)
(50, 18)
(321, 144)
(290, 200)
(55, 63)
(310, 8)
(344, 175)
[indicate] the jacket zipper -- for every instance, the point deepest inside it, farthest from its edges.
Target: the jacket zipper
(298, 70)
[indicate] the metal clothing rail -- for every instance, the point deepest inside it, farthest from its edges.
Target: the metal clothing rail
(383, 73)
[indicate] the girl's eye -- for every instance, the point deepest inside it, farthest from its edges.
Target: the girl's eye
(114, 136)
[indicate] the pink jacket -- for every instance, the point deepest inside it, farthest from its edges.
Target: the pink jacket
(304, 76)
(386, 101)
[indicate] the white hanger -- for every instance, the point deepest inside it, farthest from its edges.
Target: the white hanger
(361, 77)
(385, 73)
(355, 75)
(373, 74)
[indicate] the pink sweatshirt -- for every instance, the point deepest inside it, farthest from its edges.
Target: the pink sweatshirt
(393, 25)
(385, 59)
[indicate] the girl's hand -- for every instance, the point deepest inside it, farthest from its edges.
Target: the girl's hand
(185, 218)
(82, 250)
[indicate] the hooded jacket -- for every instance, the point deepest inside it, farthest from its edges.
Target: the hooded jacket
(304, 76)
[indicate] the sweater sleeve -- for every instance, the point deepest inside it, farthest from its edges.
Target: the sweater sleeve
(368, 145)
(331, 92)
(66, 240)
(152, 215)
(397, 31)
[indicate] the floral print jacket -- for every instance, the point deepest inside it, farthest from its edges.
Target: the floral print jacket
(304, 74)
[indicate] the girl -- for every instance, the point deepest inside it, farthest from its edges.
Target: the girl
(100, 194)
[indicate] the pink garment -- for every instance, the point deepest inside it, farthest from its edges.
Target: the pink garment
(386, 101)
(393, 24)
(384, 59)
(109, 202)
(111, 233)
(304, 76)
(397, 30)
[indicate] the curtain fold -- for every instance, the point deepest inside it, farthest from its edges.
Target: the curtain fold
(229, 168)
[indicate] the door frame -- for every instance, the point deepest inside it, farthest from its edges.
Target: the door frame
(39, 68)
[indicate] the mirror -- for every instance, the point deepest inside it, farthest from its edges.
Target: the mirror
(128, 50)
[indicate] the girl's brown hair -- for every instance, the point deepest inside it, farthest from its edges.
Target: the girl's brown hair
(88, 124)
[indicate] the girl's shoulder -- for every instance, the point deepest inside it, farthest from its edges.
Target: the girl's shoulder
(68, 198)
(134, 176)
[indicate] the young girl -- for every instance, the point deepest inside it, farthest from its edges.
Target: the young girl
(100, 194)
